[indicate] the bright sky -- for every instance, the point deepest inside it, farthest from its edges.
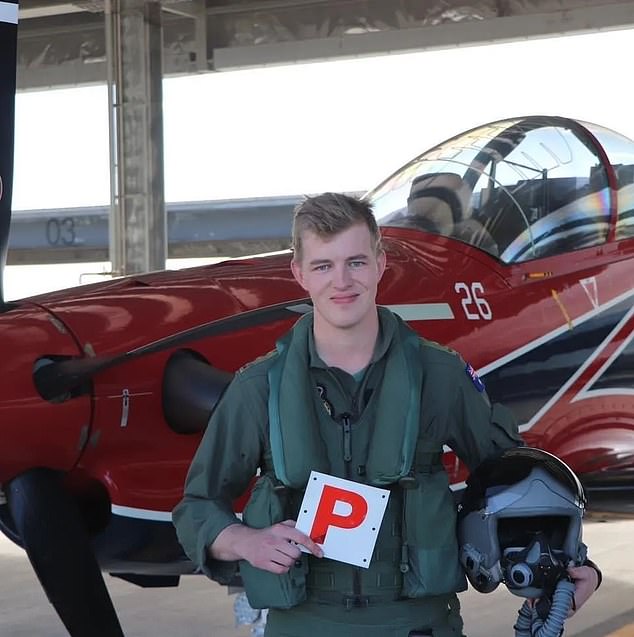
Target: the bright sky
(307, 128)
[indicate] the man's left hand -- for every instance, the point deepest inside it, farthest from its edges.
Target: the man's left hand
(586, 581)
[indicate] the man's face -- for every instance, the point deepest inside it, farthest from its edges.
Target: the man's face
(341, 274)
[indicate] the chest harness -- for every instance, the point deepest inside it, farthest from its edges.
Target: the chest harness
(416, 553)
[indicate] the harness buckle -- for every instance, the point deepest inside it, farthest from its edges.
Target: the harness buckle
(408, 482)
(356, 601)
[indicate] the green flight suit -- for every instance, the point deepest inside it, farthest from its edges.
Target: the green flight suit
(236, 444)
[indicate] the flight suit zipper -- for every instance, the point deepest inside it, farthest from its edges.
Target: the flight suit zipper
(347, 443)
(357, 599)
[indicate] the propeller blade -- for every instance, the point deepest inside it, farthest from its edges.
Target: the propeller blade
(58, 378)
(52, 532)
(8, 45)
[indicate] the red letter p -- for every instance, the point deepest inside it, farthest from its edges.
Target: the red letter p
(326, 516)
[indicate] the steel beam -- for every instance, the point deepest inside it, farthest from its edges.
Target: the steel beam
(200, 35)
(138, 229)
(410, 39)
(221, 228)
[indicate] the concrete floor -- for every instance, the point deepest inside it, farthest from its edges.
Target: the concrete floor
(199, 608)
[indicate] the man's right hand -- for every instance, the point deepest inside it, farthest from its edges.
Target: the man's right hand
(272, 549)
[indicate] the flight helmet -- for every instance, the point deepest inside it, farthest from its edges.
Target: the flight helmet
(520, 522)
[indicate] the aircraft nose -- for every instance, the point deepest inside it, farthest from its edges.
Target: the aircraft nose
(26, 332)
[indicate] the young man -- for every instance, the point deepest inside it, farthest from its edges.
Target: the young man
(353, 392)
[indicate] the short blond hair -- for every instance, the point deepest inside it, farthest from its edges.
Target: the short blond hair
(329, 214)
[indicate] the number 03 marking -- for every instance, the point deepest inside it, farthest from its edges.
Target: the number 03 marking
(473, 295)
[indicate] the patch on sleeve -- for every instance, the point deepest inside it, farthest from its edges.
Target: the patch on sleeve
(257, 360)
(475, 379)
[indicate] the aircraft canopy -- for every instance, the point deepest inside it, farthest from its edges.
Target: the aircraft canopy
(518, 189)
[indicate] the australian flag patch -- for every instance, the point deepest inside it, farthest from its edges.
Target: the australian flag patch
(475, 379)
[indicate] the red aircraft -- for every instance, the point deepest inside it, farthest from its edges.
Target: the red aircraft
(512, 243)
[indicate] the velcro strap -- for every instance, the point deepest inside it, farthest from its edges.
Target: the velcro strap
(333, 598)
(427, 462)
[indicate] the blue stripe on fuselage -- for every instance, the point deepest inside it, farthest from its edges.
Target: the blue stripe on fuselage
(620, 374)
(526, 383)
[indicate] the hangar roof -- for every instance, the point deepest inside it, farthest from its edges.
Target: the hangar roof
(63, 43)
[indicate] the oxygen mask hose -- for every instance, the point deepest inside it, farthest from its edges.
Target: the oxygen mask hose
(529, 623)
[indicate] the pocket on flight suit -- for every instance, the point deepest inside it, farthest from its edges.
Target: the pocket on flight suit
(454, 624)
(268, 506)
(504, 432)
(432, 545)
(446, 622)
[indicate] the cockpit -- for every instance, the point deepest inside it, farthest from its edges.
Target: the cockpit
(518, 189)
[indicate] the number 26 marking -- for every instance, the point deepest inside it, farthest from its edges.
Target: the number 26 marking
(473, 295)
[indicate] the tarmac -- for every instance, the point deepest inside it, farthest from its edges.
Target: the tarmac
(201, 608)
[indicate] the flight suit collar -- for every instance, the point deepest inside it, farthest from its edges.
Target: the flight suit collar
(384, 338)
(293, 406)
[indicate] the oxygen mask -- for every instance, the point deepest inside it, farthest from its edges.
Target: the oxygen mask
(535, 569)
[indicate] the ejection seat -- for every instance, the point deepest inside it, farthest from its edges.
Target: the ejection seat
(441, 203)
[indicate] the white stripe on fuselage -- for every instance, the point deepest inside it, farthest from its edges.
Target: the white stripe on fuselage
(142, 514)
(8, 12)
(408, 312)
(423, 311)
(587, 391)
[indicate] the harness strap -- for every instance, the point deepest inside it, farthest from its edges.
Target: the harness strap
(334, 598)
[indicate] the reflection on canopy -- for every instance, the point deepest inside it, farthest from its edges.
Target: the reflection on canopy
(517, 189)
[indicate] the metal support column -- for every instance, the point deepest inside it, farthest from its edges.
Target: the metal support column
(138, 230)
